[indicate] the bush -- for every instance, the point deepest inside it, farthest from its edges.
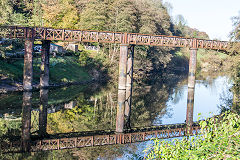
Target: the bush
(84, 58)
(217, 141)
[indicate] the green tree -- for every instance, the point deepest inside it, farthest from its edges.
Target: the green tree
(6, 11)
(124, 16)
(235, 37)
(37, 13)
(95, 16)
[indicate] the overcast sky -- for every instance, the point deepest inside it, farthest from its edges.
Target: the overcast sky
(210, 16)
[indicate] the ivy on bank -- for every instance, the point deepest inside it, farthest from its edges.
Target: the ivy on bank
(216, 141)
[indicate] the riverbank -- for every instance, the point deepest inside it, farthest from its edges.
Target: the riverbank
(64, 71)
(90, 66)
(210, 61)
(219, 139)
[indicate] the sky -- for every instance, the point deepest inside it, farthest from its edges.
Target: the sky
(210, 16)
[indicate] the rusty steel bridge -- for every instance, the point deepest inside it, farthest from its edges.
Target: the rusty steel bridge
(133, 136)
(40, 33)
(127, 42)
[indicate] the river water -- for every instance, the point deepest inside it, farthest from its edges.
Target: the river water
(82, 109)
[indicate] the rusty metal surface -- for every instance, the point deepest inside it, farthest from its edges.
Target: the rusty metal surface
(100, 140)
(109, 37)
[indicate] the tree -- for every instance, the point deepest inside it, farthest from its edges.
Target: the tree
(234, 49)
(94, 16)
(60, 14)
(13, 12)
(180, 24)
(124, 16)
(5, 12)
(37, 13)
(235, 34)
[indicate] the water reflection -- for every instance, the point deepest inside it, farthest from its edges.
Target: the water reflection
(43, 112)
(26, 121)
(190, 104)
(208, 95)
(82, 112)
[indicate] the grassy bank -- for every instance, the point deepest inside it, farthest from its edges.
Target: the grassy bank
(62, 69)
(209, 60)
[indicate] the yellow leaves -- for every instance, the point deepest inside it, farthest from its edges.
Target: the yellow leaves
(58, 124)
(51, 11)
(70, 19)
(60, 14)
(42, 67)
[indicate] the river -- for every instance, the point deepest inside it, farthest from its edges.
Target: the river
(89, 109)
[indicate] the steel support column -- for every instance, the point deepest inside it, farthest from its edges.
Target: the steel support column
(129, 83)
(28, 66)
(191, 86)
(121, 88)
(43, 112)
(26, 121)
(190, 106)
(44, 78)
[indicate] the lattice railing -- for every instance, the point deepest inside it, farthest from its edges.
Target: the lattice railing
(109, 37)
(99, 140)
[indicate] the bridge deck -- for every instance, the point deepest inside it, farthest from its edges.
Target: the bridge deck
(100, 140)
(41, 33)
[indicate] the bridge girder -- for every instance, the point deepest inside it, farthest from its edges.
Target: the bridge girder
(40, 33)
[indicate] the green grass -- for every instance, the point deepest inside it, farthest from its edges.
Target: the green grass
(67, 70)
(62, 69)
(13, 70)
(205, 54)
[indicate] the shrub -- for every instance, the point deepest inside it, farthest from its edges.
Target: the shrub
(217, 141)
(83, 58)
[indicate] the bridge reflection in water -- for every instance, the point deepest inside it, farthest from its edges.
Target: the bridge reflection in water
(34, 135)
(35, 121)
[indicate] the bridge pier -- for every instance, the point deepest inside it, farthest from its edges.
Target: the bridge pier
(44, 77)
(28, 63)
(129, 85)
(43, 112)
(191, 86)
(26, 121)
(121, 87)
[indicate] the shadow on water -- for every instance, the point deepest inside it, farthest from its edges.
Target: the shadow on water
(79, 109)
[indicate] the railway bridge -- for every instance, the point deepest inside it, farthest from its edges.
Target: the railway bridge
(127, 42)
